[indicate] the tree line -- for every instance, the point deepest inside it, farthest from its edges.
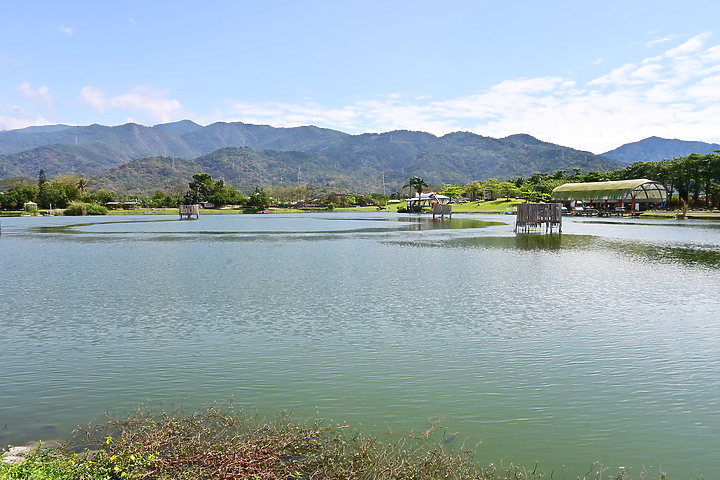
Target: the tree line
(694, 179)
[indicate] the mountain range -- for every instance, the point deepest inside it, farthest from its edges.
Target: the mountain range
(140, 160)
(653, 149)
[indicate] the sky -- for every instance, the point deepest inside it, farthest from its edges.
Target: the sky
(587, 74)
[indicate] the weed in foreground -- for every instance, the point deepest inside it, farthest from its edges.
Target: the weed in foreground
(221, 445)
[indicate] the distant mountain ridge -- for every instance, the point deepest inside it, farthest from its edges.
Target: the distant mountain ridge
(142, 159)
(653, 149)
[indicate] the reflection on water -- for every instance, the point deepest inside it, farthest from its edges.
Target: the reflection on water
(687, 255)
(599, 344)
(340, 226)
(690, 254)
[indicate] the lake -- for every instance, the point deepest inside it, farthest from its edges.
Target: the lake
(600, 344)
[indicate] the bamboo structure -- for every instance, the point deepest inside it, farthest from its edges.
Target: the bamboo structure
(536, 216)
(188, 211)
(440, 210)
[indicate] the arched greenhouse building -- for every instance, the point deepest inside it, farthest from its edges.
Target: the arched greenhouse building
(626, 195)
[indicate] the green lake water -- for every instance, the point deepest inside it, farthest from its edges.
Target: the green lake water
(600, 344)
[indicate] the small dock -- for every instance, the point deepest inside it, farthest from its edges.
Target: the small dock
(187, 212)
(538, 216)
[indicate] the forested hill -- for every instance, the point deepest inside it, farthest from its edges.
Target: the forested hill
(149, 158)
(654, 149)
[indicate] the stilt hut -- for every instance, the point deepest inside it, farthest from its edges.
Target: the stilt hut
(538, 216)
(189, 211)
(440, 210)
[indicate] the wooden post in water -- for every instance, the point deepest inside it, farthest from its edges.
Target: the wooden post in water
(535, 216)
(187, 211)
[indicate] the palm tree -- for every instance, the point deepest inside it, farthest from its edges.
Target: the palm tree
(82, 185)
(416, 183)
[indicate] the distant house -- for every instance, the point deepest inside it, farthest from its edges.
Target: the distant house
(426, 200)
(30, 206)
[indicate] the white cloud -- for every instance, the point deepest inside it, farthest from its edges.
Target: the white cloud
(150, 102)
(94, 97)
(13, 116)
(66, 30)
(619, 76)
(40, 94)
(706, 89)
(647, 73)
(657, 41)
(690, 46)
(672, 95)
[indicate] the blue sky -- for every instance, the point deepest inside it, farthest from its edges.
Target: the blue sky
(586, 74)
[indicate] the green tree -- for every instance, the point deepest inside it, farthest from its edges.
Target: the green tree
(473, 189)
(58, 194)
(42, 187)
(507, 189)
(17, 196)
(290, 194)
(530, 195)
(491, 188)
(259, 200)
(227, 195)
(453, 191)
(102, 196)
(202, 188)
(715, 195)
(417, 184)
(82, 185)
(594, 176)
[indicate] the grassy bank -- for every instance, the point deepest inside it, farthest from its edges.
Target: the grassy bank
(695, 215)
(219, 444)
(494, 206)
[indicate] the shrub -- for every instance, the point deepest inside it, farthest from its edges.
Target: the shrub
(95, 209)
(82, 209)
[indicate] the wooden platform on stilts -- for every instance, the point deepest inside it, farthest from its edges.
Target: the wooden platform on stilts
(189, 211)
(538, 216)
